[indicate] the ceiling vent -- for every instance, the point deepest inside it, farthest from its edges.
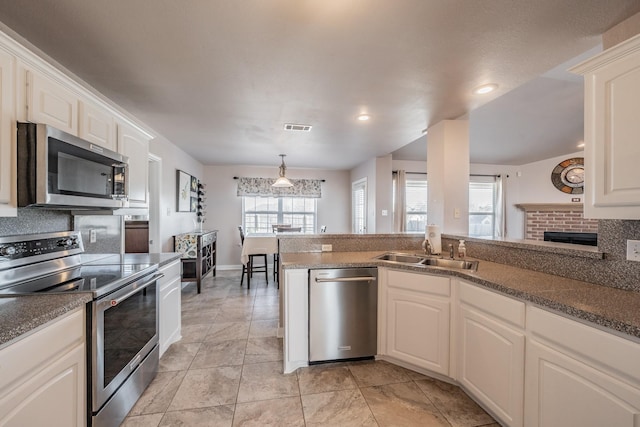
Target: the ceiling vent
(297, 128)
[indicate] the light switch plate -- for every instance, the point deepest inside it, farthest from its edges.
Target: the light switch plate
(92, 236)
(456, 213)
(633, 250)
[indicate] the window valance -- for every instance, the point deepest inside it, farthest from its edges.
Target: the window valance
(310, 188)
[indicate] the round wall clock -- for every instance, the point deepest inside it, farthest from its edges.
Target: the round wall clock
(568, 176)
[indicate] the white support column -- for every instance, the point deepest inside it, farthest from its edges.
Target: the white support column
(448, 176)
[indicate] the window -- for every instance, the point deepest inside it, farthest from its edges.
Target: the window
(482, 202)
(416, 202)
(260, 213)
(359, 206)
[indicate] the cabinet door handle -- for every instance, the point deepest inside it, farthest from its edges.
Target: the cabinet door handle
(346, 279)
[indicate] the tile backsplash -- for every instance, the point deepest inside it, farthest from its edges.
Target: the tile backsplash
(109, 228)
(31, 221)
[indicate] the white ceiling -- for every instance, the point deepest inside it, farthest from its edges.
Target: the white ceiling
(220, 78)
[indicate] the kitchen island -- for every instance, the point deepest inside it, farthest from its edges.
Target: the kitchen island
(615, 309)
(529, 346)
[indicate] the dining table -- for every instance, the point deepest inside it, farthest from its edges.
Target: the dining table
(258, 243)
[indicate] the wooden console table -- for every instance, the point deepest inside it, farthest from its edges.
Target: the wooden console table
(198, 249)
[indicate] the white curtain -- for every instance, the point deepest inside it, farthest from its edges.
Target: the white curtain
(400, 202)
(500, 207)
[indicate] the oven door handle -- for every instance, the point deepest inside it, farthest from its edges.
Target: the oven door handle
(146, 284)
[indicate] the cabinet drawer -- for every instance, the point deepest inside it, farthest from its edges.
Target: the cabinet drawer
(171, 271)
(208, 238)
(501, 307)
(32, 353)
(436, 285)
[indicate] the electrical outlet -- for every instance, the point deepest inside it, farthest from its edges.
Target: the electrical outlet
(385, 212)
(633, 250)
(327, 248)
(92, 236)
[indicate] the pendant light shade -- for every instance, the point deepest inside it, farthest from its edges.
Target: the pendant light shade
(282, 180)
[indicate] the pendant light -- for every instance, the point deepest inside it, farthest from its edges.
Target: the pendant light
(282, 180)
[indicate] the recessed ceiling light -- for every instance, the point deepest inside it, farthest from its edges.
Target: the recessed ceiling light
(364, 117)
(481, 90)
(581, 144)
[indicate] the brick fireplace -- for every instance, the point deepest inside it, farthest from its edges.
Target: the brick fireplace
(541, 217)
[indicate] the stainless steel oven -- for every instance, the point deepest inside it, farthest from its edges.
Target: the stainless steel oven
(124, 347)
(122, 318)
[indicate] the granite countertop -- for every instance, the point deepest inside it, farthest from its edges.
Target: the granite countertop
(614, 309)
(21, 314)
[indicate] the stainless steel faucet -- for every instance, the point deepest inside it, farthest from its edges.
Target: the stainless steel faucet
(451, 251)
(426, 246)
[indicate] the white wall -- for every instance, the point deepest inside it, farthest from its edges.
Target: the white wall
(534, 186)
(514, 227)
(384, 194)
(410, 165)
(173, 158)
(224, 207)
(367, 170)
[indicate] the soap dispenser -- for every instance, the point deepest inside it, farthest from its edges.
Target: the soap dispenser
(462, 249)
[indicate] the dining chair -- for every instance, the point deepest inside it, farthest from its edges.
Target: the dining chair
(274, 227)
(250, 268)
(288, 229)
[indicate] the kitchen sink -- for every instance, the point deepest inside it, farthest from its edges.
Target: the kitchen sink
(401, 258)
(459, 264)
(411, 259)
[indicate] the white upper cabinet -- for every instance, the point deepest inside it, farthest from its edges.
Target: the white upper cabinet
(135, 145)
(611, 129)
(51, 103)
(7, 134)
(97, 125)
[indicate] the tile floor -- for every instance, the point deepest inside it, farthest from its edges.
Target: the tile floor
(227, 371)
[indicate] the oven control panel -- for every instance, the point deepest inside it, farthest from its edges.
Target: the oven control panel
(20, 250)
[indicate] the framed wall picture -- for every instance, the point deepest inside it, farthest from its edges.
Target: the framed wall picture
(194, 184)
(183, 191)
(194, 204)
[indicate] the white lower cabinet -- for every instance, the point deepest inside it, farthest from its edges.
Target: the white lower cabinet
(170, 305)
(577, 375)
(491, 345)
(416, 319)
(43, 376)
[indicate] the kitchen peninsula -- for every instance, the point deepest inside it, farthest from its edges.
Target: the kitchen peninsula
(509, 336)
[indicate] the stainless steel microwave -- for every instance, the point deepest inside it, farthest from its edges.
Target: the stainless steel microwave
(57, 170)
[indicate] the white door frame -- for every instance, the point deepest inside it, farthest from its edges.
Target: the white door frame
(155, 190)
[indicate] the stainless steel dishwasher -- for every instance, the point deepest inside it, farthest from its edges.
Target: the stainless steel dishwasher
(343, 313)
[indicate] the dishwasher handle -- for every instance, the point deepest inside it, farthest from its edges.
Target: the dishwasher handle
(346, 279)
